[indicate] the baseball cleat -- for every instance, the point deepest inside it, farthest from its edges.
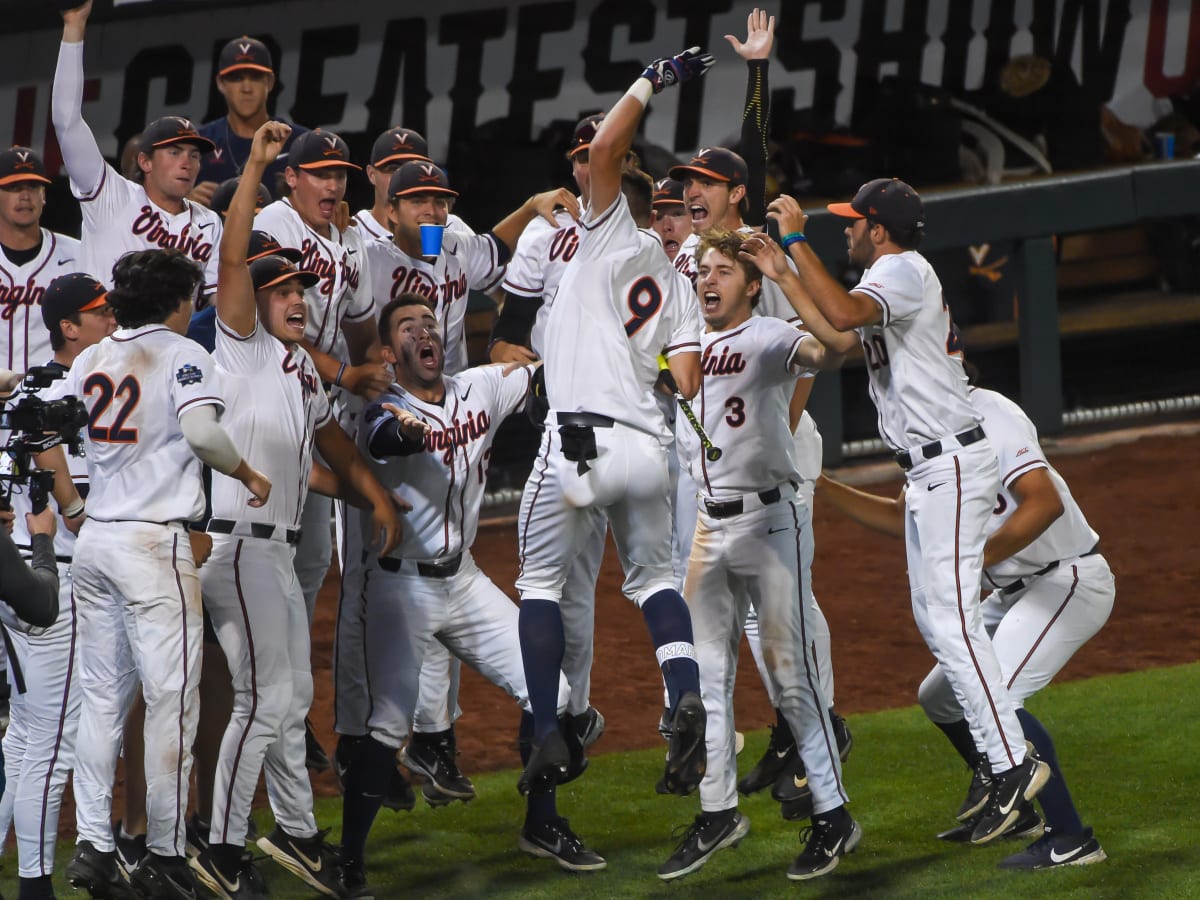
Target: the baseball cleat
(435, 757)
(841, 733)
(163, 878)
(399, 796)
(196, 834)
(706, 835)
(555, 840)
(549, 759)
(978, 793)
(777, 759)
(827, 843)
(581, 732)
(130, 850)
(1054, 850)
(243, 882)
(352, 881)
(310, 859)
(1022, 782)
(687, 757)
(793, 793)
(1027, 827)
(97, 872)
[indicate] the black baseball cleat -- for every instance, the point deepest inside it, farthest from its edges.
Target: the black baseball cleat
(827, 843)
(97, 872)
(399, 796)
(706, 835)
(555, 840)
(549, 759)
(240, 881)
(130, 850)
(1009, 789)
(315, 757)
(1056, 849)
(793, 793)
(687, 756)
(196, 835)
(580, 732)
(778, 758)
(352, 881)
(310, 859)
(841, 733)
(1028, 826)
(978, 793)
(164, 878)
(435, 757)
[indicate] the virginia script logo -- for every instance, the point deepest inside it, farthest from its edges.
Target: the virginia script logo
(150, 227)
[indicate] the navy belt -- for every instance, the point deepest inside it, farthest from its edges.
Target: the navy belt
(727, 508)
(444, 569)
(593, 420)
(1022, 583)
(934, 448)
(264, 530)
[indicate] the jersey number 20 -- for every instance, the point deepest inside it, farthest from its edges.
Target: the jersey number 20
(127, 394)
(644, 300)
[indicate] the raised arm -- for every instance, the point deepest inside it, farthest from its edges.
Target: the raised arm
(756, 50)
(81, 154)
(509, 229)
(614, 137)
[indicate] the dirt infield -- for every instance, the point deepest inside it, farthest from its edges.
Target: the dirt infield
(1137, 488)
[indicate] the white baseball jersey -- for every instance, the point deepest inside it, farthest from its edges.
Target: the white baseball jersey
(24, 340)
(275, 405)
(344, 291)
(444, 481)
(537, 267)
(136, 384)
(743, 403)
(1015, 441)
(914, 361)
(467, 262)
(619, 305)
(685, 257)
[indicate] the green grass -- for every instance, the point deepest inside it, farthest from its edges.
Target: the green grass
(1128, 745)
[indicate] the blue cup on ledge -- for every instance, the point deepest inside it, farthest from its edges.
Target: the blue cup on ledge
(431, 240)
(1164, 145)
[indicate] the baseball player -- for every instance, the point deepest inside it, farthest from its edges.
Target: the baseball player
(670, 220)
(429, 438)
(152, 402)
(120, 215)
(277, 412)
(39, 744)
(750, 539)
(618, 307)
(1051, 590)
(245, 77)
(224, 194)
(391, 150)
(914, 364)
(30, 258)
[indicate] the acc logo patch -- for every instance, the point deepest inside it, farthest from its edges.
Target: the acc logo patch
(189, 374)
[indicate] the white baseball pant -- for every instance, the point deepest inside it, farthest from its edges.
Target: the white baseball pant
(257, 610)
(39, 745)
(948, 504)
(137, 600)
(755, 559)
(1035, 631)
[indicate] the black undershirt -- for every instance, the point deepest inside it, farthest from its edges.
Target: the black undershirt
(21, 257)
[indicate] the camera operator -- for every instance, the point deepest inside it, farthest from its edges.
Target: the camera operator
(39, 747)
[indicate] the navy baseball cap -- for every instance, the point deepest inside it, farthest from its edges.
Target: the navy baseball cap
(319, 150)
(269, 271)
(584, 132)
(223, 196)
(399, 145)
(69, 294)
(244, 53)
(263, 244)
(419, 178)
(668, 192)
(170, 130)
(715, 164)
(18, 164)
(888, 201)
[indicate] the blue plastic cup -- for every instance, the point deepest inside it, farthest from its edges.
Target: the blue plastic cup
(431, 240)
(1164, 145)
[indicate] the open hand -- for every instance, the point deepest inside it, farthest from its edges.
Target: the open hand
(760, 36)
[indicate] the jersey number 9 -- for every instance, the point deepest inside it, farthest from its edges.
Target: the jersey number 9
(644, 300)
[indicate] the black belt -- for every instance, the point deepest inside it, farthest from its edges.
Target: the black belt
(728, 508)
(443, 569)
(594, 420)
(1022, 583)
(934, 448)
(256, 529)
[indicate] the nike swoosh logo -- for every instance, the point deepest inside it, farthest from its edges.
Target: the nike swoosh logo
(932, 486)
(372, 796)
(204, 225)
(1055, 858)
(776, 531)
(833, 851)
(350, 252)
(780, 754)
(1006, 808)
(313, 864)
(231, 886)
(467, 392)
(800, 783)
(63, 262)
(703, 847)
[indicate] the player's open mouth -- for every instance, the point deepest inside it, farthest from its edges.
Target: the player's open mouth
(712, 300)
(427, 354)
(699, 213)
(671, 246)
(296, 319)
(327, 207)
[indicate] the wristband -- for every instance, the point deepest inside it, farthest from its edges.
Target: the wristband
(794, 237)
(341, 371)
(74, 510)
(642, 90)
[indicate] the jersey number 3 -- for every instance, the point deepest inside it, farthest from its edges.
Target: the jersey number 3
(644, 300)
(127, 394)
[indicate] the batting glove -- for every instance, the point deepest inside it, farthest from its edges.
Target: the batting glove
(691, 63)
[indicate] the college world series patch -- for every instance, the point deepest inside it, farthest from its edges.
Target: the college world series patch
(189, 374)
